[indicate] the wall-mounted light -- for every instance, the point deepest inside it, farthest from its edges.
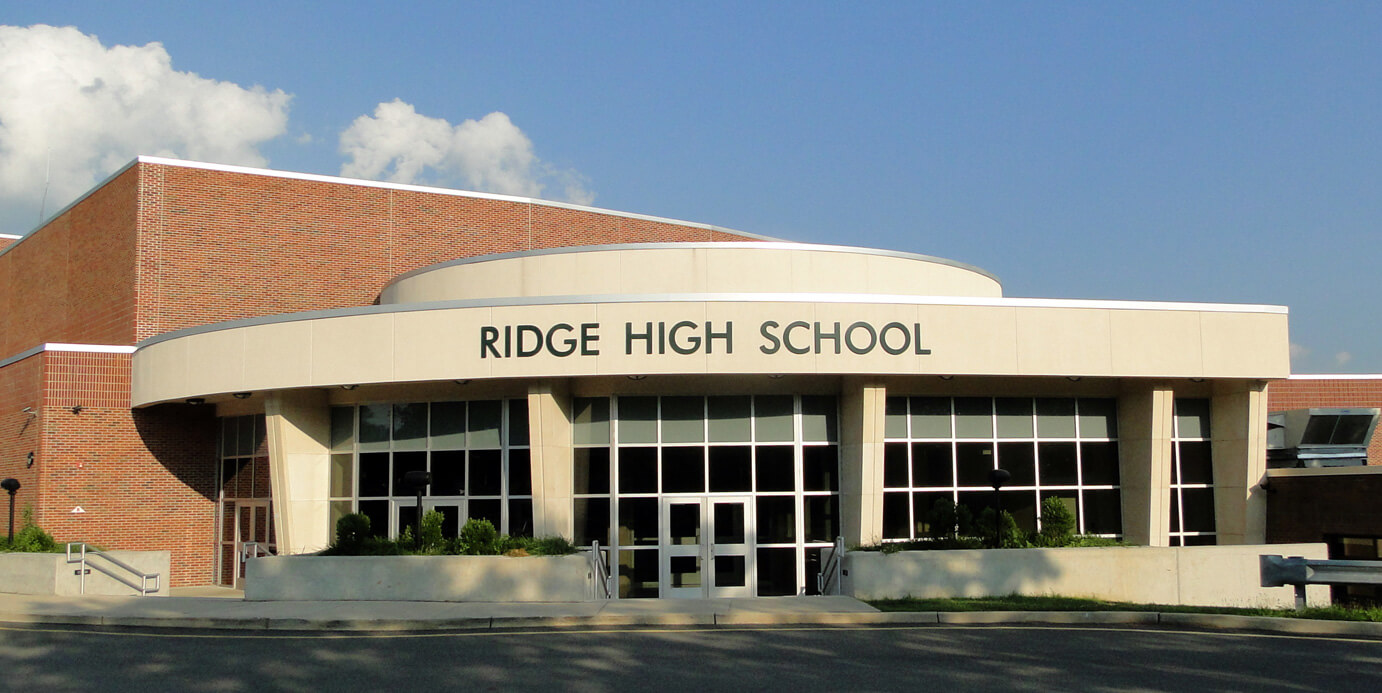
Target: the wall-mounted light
(637, 377)
(28, 410)
(1197, 380)
(77, 409)
(775, 376)
(463, 382)
(946, 377)
(194, 401)
(241, 395)
(1073, 378)
(349, 387)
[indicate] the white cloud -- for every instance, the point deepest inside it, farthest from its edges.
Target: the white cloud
(81, 110)
(1299, 351)
(491, 154)
(1342, 358)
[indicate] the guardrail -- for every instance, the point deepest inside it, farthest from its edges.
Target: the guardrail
(129, 570)
(599, 571)
(828, 581)
(1279, 571)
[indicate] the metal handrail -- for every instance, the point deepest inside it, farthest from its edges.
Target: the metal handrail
(599, 571)
(832, 571)
(144, 578)
(254, 549)
(1298, 571)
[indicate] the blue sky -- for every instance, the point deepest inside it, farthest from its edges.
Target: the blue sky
(1222, 152)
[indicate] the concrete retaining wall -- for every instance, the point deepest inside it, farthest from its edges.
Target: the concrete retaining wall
(50, 573)
(420, 578)
(1192, 575)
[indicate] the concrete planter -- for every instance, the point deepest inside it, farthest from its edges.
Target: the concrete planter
(420, 578)
(1192, 575)
(50, 573)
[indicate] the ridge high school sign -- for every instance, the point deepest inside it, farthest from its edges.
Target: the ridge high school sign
(688, 337)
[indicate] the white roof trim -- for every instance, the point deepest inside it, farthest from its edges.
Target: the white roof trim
(77, 348)
(1335, 376)
(10, 236)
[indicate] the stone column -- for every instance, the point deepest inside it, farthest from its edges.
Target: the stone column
(549, 444)
(299, 431)
(1144, 462)
(862, 408)
(1238, 435)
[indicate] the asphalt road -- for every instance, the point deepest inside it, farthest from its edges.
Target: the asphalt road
(789, 659)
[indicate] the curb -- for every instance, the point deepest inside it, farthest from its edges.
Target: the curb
(1206, 622)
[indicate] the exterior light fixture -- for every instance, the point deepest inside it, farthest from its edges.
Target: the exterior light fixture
(11, 484)
(946, 377)
(241, 395)
(775, 376)
(28, 410)
(349, 387)
(1073, 378)
(77, 409)
(465, 381)
(637, 377)
(1197, 380)
(194, 401)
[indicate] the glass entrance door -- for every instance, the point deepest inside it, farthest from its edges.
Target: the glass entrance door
(253, 526)
(707, 550)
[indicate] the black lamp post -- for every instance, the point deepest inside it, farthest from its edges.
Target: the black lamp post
(11, 484)
(998, 477)
(419, 482)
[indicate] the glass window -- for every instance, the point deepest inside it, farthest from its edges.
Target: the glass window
(342, 428)
(520, 473)
(973, 417)
(1192, 418)
(683, 419)
(590, 425)
(895, 465)
(342, 475)
(772, 418)
(1098, 418)
(729, 419)
(448, 425)
(818, 419)
(518, 422)
(486, 474)
(482, 431)
(637, 419)
(775, 468)
(776, 519)
(374, 475)
(895, 418)
(973, 462)
(930, 417)
(731, 468)
(1014, 417)
(448, 473)
(410, 426)
(591, 473)
(820, 468)
(637, 470)
(1055, 418)
(1099, 463)
(591, 521)
(1019, 459)
(375, 425)
(932, 465)
(1058, 464)
(683, 470)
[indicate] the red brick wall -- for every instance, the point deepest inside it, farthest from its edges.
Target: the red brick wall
(73, 279)
(21, 385)
(219, 246)
(6, 241)
(145, 478)
(1353, 392)
(1313, 508)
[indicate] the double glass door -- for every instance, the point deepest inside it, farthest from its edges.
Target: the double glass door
(707, 547)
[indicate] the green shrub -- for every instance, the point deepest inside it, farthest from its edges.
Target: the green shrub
(431, 540)
(30, 538)
(1057, 523)
(1087, 540)
(352, 530)
(1010, 536)
(478, 537)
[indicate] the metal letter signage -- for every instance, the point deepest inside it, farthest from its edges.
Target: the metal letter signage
(688, 337)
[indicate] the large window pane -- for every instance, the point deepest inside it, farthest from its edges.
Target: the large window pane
(638, 522)
(729, 419)
(930, 417)
(483, 428)
(731, 468)
(591, 473)
(973, 417)
(772, 418)
(932, 465)
(637, 419)
(410, 426)
(1014, 417)
(375, 426)
(820, 468)
(404, 462)
(777, 572)
(1019, 459)
(896, 522)
(590, 424)
(591, 521)
(895, 418)
(777, 522)
(1055, 418)
(1192, 418)
(486, 473)
(342, 428)
(520, 473)
(895, 465)
(822, 519)
(448, 425)
(818, 422)
(973, 463)
(518, 422)
(683, 470)
(775, 468)
(1098, 418)
(374, 475)
(683, 420)
(1103, 513)
(342, 475)
(637, 470)
(1196, 465)
(448, 473)
(1099, 463)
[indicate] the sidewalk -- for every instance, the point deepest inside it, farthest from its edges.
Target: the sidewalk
(218, 608)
